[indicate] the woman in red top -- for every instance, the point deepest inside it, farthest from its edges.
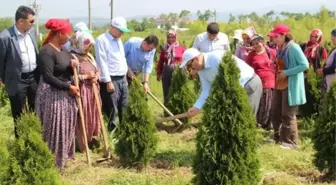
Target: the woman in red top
(171, 55)
(261, 61)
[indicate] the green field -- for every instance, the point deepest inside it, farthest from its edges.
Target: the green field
(174, 158)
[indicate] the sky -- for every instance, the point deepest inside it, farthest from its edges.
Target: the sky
(131, 8)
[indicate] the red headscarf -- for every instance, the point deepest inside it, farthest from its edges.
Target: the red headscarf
(311, 47)
(57, 25)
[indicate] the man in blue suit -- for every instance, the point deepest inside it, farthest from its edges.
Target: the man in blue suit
(19, 62)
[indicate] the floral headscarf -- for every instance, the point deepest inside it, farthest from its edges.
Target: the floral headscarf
(81, 41)
(311, 47)
(170, 48)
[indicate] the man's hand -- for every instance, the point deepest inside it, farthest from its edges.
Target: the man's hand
(146, 87)
(110, 87)
(130, 74)
(193, 111)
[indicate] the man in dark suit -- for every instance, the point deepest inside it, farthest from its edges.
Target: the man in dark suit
(19, 62)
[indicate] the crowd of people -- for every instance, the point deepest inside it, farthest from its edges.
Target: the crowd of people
(272, 71)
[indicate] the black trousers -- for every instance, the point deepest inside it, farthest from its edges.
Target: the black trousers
(114, 103)
(27, 91)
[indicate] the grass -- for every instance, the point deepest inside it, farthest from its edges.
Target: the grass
(172, 164)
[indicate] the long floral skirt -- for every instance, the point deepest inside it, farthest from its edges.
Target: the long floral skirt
(57, 111)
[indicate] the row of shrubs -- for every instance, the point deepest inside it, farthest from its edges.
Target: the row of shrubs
(226, 142)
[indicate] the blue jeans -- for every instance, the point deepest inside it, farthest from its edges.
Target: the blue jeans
(114, 103)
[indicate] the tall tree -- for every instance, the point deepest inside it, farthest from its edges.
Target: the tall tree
(226, 143)
(184, 14)
(232, 18)
(206, 15)
(137, 139)
(324, 135)
(27, 159)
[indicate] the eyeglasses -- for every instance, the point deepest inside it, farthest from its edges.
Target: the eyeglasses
(312, 36)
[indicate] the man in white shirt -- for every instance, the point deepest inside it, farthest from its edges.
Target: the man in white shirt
(212, 40)
(207, 64)
(19, 66)
(111, 61)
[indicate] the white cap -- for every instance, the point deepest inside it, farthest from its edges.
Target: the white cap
(188, 55)
(238, 34)
(121, 24)
(81, 26)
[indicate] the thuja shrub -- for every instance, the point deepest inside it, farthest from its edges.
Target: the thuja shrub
(313, 95)
(136, 136)
(3, 96)
(27, 159)
(227, 137)
(324, 135)
(180, 96)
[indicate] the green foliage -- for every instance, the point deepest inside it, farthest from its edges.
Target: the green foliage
(136, 136)
(3, 96)
(206, 15)
(28, 160)
(324, 134)
(180, 96)
(313, 95)
(197, 85)
(5, 23)
(227, 137)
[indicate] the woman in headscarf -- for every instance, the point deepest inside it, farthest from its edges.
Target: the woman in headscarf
(80, 47)
(55, 100)
(289, 88)
(314, 50)
(170, 57)
(329, 70)
(243, 50)
(271, 44)
(260, 59)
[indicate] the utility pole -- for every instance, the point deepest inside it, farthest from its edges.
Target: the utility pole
(111, 5)
(215, 15)
(90, 18)
(36, 7)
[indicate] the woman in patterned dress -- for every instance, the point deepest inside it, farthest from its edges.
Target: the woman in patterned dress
(55, 100)
(81, 44)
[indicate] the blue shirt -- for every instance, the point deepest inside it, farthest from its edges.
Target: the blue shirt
(137, 59)
(110, 57)
(208, 74)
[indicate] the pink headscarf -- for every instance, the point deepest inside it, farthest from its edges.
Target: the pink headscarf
(311, 47)
(170, 48)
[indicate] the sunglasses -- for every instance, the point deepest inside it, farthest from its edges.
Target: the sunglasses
(31, 22)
